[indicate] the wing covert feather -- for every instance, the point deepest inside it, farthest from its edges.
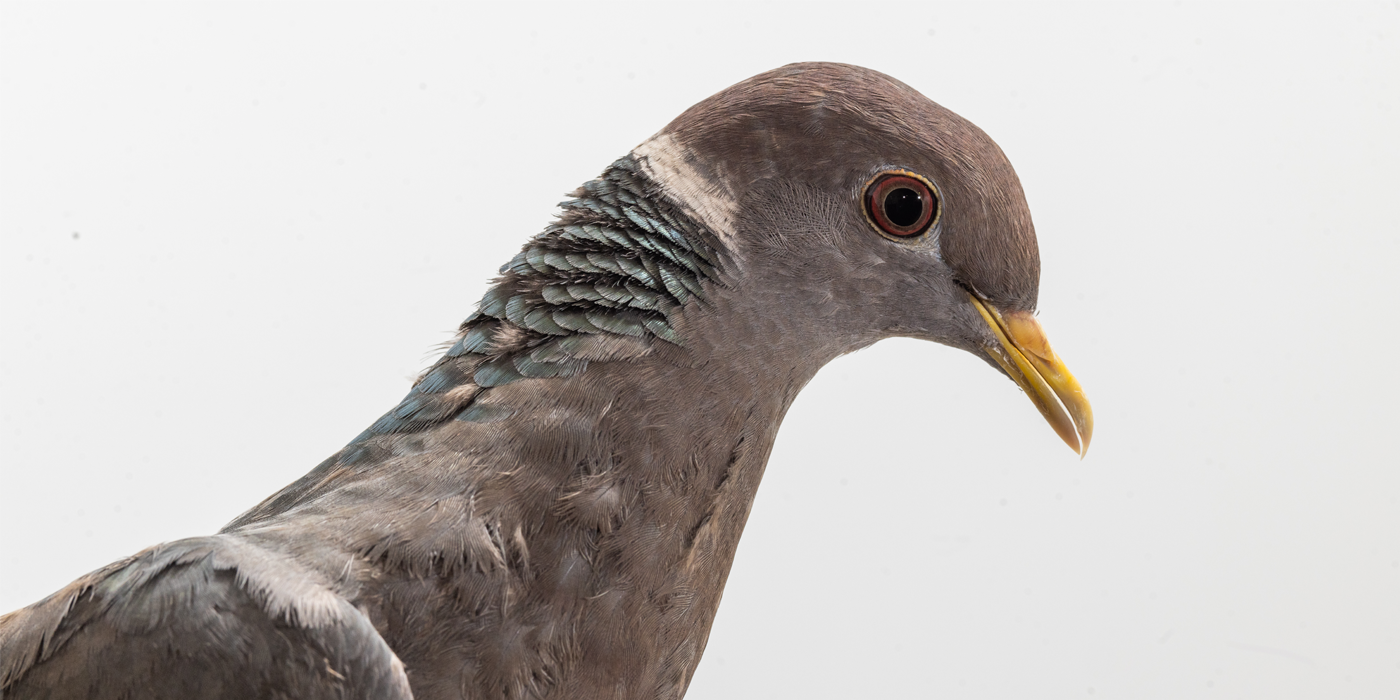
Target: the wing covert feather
(209, 617)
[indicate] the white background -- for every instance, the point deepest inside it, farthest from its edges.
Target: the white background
(232, 234)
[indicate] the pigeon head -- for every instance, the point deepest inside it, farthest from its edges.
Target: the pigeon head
(802, 214)
(846, 208)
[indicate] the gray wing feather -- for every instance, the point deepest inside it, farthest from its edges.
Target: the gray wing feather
(211, 617)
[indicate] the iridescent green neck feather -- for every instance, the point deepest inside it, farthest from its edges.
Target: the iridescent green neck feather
(598, 285)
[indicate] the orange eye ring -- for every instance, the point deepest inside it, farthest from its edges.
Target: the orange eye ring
(901, 204)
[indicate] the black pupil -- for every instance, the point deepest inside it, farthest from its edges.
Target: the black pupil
(904, 206)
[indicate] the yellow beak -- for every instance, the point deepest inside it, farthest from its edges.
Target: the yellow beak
(1025, 354)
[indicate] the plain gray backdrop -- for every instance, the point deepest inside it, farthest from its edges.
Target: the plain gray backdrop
(232, 235)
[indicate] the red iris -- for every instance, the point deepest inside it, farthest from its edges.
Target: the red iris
(900, 204)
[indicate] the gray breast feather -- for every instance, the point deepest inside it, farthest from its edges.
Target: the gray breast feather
(209, 617)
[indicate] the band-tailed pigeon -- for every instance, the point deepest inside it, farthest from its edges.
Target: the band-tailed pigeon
(553, 509)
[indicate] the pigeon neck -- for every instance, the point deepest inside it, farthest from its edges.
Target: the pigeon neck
(620, 261)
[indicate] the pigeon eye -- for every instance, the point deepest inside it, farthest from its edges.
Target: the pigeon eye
(901, 204)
